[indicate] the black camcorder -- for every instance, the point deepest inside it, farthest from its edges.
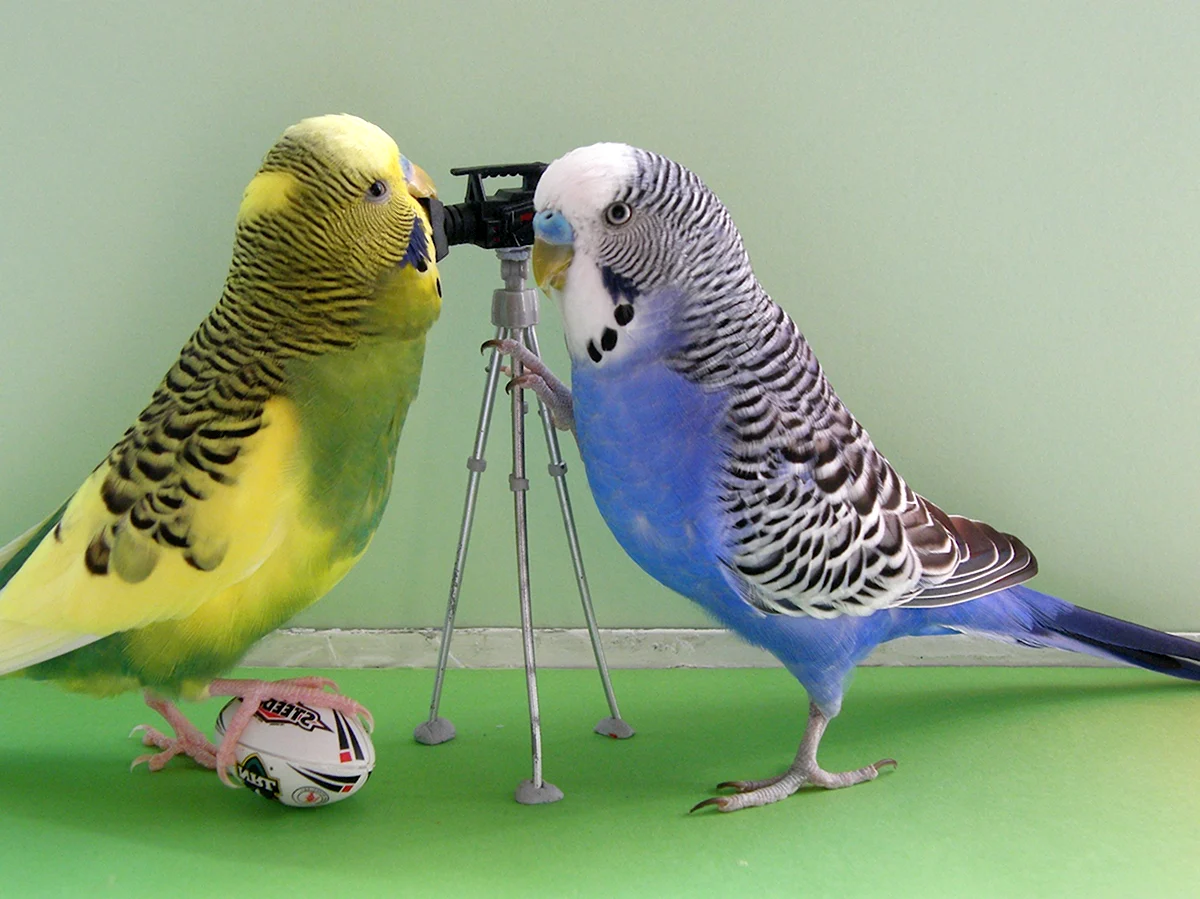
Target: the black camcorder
(504, 219)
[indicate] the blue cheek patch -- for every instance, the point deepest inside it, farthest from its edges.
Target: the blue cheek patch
(417, 253)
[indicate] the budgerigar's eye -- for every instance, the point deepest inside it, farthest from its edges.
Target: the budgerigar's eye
(618, 213)
(378, 192)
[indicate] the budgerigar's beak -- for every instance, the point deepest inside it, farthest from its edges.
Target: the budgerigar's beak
(420, 185)
(553, 249)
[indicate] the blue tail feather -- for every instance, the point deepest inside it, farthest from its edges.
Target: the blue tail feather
(1128, 642)
(1025, 616)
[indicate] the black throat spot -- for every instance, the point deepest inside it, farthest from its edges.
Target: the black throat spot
(618, 286)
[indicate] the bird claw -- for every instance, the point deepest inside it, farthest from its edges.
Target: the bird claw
(156, 761)
(536, 377)
(148, 757)
(188, 740)
(151, 736)
(751, 793)
(506, 345)
(365, 715)
(527, 381)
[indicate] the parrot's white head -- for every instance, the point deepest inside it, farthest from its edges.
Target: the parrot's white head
(628, 243)
(579, 207)
(587, 179)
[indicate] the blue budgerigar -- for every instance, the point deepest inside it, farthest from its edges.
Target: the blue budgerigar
(727, 467)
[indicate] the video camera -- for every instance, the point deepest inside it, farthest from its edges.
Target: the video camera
(504, 219)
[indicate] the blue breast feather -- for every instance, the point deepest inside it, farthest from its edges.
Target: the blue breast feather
(652, 443)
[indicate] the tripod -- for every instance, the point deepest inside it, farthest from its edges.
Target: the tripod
(515, 313)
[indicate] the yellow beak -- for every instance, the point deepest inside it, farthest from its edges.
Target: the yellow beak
(420, 185)
(550, 263)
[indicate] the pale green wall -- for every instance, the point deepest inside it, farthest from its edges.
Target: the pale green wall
(985, 217)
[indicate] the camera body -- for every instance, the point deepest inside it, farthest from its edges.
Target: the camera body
(503, 219)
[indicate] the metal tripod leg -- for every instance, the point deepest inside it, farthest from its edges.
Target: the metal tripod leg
(514, 312)
(535, 790)
(438, 730)
(614, 725)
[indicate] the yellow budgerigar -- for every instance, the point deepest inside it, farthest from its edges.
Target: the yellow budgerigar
(258, 473)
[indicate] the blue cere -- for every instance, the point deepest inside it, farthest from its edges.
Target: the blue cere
(553, 227)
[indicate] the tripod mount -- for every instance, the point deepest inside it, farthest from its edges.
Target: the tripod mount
(503, 222)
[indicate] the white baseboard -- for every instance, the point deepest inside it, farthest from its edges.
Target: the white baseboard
(500, 647)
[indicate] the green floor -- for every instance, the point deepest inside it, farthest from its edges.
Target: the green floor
(1012, 782)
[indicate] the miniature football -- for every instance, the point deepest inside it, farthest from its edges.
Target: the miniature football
(299, 755)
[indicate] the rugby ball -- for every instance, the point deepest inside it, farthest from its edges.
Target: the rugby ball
(300, 755)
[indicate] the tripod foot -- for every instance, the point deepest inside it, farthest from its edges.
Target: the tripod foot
(431, 733)
(617, 728)
(528, 794)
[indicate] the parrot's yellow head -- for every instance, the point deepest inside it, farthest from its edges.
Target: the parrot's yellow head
(331, 228)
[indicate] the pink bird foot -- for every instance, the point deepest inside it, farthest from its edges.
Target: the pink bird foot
(529, 372)
(187, 740)
(804, 771)
(313, 691)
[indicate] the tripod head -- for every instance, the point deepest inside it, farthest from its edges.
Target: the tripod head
(504, 219)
